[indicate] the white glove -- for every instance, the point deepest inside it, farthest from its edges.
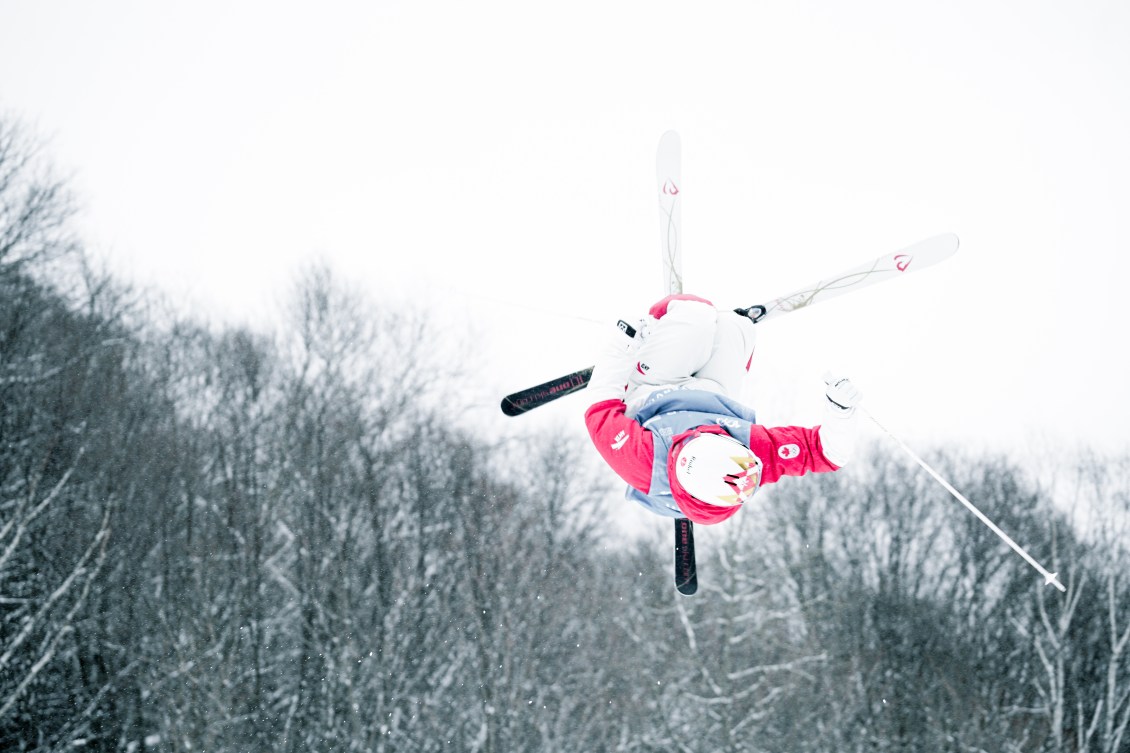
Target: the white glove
(842, 394)
(838, 432)
(613, 364)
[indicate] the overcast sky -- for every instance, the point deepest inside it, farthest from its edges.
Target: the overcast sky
(495, 162)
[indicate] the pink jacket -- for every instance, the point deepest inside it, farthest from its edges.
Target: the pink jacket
(630, 450)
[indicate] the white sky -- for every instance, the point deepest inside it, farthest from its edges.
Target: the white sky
(485, 157)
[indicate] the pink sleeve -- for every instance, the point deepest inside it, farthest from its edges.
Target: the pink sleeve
(622, 442)
(788, 451)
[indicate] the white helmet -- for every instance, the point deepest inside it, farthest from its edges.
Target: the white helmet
(718, 469)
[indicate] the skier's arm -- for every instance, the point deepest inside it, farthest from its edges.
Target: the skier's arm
(623, 443)
(789, 451)
(795, 450)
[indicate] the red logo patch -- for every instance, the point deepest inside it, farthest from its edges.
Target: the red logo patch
(902, 261)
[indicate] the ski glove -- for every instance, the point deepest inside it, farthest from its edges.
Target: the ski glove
(842, 394)
(614, 363)
(838, 432)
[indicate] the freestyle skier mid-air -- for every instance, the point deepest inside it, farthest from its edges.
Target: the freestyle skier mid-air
(664, 418)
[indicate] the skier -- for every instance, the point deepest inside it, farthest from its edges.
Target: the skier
(663, 416)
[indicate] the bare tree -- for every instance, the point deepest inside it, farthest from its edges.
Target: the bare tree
(914, 604)
(35, 207)
(55, 364)
(45, 620)
(1081, 639)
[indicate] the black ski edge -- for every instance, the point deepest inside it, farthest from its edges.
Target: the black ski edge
(686, 571)
(533, 397)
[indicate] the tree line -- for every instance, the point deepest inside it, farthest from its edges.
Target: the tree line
(220, 539)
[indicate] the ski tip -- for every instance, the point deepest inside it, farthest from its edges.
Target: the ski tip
(932, 250)
(952, 240)
(511, 408)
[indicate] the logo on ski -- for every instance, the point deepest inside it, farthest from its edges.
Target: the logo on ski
(670, 188)
(902, 261)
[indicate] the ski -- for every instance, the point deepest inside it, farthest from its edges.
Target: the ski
(669, 179)
(921, 255)
(524, 400)
(686, 572)
(519, 402)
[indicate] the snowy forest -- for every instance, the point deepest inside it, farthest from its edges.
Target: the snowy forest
(217, 539)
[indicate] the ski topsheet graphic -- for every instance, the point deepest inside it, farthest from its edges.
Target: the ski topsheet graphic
(686, 570)
(921, 255)
(519, 402)
(669, 179)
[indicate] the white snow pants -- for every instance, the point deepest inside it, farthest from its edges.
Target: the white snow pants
(693, 346)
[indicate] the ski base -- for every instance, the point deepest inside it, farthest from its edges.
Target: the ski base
(525, 400)
(686, 571)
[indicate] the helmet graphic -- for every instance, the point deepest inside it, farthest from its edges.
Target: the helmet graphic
(717, 469)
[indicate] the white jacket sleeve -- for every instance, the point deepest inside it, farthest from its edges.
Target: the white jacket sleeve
(614, 362)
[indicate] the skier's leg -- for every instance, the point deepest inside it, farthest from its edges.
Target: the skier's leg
(735, 337)
(675, 346)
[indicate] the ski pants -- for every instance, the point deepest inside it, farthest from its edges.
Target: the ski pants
(692, 345)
